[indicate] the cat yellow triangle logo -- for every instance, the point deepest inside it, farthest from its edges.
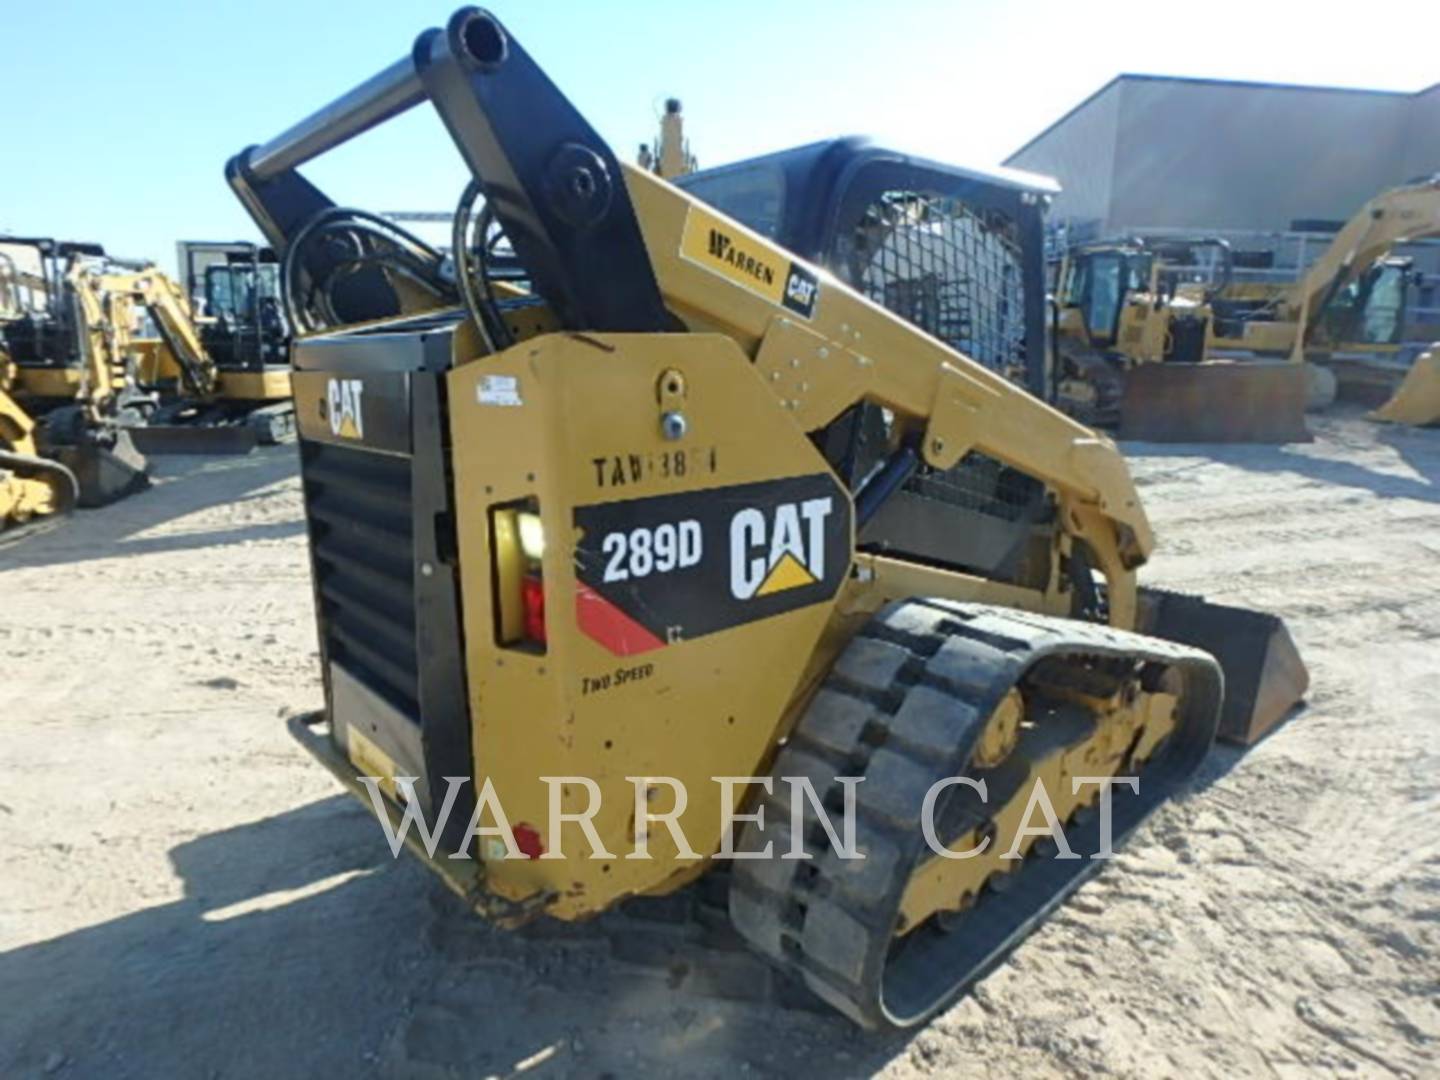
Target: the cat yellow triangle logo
(789, 573)
(778, 548)
(348, 430)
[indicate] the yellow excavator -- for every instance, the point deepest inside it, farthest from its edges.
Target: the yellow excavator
(1350, 301)
(632, 517)
(31, 485)
(68, 372)
(173, 392)
(205, 406)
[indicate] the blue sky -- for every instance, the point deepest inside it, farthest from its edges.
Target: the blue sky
(119, 117)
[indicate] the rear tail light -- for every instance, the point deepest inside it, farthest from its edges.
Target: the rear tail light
(517, 545)
(532, 599)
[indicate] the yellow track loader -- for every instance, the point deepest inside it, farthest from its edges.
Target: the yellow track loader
(635, 518)
(1350, 303)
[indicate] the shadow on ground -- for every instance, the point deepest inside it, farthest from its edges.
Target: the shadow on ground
(1419, 448)
(184, 485)
(300, 948)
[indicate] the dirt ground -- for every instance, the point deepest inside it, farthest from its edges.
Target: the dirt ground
(185, 893)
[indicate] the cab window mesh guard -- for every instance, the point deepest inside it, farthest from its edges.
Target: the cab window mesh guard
(950, 269)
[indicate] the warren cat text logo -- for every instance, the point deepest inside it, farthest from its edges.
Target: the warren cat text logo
(724, 249)
(778, 549)
(713, 243)
(347, 418)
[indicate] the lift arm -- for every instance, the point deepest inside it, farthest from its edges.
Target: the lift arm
(611, 248)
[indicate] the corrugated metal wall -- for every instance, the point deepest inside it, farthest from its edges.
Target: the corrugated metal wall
(1154, 152)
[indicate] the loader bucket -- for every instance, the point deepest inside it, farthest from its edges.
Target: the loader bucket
(1264, 675)
(1261, 401)
(106, 470)
(1417, 399)
(196, 438)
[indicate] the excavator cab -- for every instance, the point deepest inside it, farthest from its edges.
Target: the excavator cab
(40, 331)
(235, 289)
(1369, 311)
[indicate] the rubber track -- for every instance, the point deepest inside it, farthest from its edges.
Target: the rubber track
(903, 707)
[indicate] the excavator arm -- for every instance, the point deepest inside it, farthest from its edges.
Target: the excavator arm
(165, 301)
(1401, 215)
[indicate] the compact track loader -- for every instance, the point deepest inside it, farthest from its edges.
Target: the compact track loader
(634, 501)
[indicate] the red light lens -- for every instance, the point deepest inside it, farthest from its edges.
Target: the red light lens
(532, 602)
(528, 841)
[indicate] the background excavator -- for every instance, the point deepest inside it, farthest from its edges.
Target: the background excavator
(222, 401)
(1128, 303)
(1351, 300)
(68, 371)
(618, 517)
(234, 292)
(31, 485)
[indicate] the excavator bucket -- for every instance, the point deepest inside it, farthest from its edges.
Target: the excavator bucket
(1264, 676)
(1417, 399)
(1261, 401)
(107, 468)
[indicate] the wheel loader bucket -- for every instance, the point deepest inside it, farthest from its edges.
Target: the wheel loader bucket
(106, 471)
(1261, 401)
(1417, 399)
(1264, 675)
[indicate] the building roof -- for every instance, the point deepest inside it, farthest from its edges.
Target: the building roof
(1196, 81)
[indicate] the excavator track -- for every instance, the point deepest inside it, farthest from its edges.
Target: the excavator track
(910, 702)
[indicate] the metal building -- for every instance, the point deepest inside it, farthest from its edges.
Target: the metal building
(1149, 151)
(1273, 169)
